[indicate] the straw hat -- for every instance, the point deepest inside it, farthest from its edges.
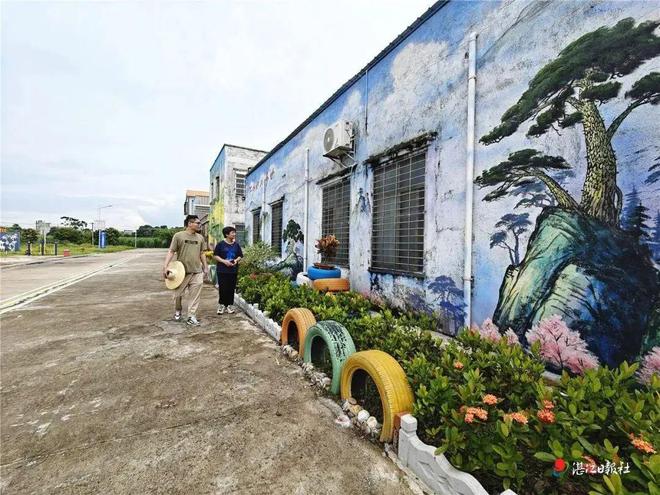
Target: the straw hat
(176, 272)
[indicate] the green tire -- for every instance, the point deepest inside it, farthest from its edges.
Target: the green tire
(339, 343)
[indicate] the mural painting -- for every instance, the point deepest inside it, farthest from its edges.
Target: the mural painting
(217, 218)
(10, 241)
(588, 267)
(292, 264)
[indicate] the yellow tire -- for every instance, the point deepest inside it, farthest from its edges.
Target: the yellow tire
(332, 284)
(297, 320)
(396, 396)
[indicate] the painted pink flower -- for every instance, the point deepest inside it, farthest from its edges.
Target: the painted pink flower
(561, 346)
(650, 366)
(511, 337)
(489, 331)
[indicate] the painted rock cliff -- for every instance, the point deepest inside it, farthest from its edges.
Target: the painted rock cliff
(597, 278)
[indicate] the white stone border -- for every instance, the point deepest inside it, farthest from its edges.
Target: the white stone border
(252, 310)
(433, 470)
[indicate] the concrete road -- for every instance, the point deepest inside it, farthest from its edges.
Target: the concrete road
(25, 278)
(103, 393)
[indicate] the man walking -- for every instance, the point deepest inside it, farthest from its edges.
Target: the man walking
(189, 247)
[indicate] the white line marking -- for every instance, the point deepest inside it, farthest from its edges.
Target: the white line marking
(36, 294)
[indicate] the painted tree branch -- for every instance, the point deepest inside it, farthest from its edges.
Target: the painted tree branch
(611, 130)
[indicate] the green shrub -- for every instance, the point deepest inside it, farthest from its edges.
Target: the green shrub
(486, 405)
(256, 258)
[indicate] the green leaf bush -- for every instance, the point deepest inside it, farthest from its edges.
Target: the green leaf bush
(487, 404)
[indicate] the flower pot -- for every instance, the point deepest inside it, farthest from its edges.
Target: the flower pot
(324, 266)
(315, 273)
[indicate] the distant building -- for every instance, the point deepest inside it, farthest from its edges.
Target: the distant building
(197, 203)
(227, 186)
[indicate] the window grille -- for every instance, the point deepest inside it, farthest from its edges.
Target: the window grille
(240, 233)
(276, 227)
(240, 185)
(335, 218)
(397, 241)
(256, 225)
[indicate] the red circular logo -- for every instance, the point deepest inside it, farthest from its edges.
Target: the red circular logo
(560, 465)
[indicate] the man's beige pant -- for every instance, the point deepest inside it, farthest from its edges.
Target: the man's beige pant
(193, 282)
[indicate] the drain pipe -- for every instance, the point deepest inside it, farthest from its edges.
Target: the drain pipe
(469, 178)
(305, 220)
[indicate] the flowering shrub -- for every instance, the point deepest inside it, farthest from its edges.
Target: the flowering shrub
(483, 401)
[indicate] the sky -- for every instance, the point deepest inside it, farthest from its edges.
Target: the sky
(128, 103)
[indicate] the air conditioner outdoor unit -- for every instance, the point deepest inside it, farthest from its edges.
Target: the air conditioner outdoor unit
(337, 139)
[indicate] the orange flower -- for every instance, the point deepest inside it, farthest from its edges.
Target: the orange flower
(518, 417)
(546, 416)
(480, 413)
(490, 399)
(469, 418)
(640, 444)
(458, 365)
(548, 405)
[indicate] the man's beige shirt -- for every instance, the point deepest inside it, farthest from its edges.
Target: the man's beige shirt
(188, 248)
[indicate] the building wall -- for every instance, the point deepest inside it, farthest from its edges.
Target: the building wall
(421, 87)
(226, 207)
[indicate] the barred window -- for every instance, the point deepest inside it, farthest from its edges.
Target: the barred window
(276, 227)
(240, 185)
(397, 241)
(335, 218)
(240, 233)
(256, 225)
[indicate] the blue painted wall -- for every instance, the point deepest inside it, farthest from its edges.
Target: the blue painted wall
(421, 86)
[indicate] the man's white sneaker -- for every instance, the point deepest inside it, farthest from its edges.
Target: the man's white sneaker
(177, 315)
(221, 309)
(231, 310)
(193, 321)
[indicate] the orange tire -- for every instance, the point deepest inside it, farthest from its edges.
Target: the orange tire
(300, 320)
(332, 284)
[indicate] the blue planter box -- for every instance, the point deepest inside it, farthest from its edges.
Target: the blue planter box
(316, 273)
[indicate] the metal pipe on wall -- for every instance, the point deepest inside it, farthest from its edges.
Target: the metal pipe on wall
(305, 220)
(469, 178)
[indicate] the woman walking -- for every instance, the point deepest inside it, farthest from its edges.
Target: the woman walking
(228, 254)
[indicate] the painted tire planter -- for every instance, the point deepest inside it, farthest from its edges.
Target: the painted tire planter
(316, 273)
(300, 320)
(339, 343)
(332, 284)
(395, 393)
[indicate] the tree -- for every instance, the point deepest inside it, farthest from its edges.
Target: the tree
(632, 201)
(30, 235)
(522, 169)
(655, 240)
(112, 236)
(568, 91)
(74, 223)
(516, 225)
(638, 225)
(145, 231)
(66, 234)
(16, 228)
(654, 172)
(450, 297)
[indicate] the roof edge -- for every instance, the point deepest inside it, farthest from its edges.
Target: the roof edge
(383, 53)
(235, 146)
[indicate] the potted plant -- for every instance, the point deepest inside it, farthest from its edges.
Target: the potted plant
(327, 247)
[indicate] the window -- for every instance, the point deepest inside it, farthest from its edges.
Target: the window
(217, 188)
(240, 233)
(335, 218)
(240, 185)
(397, 241)
(276, 227)
(256, 225)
